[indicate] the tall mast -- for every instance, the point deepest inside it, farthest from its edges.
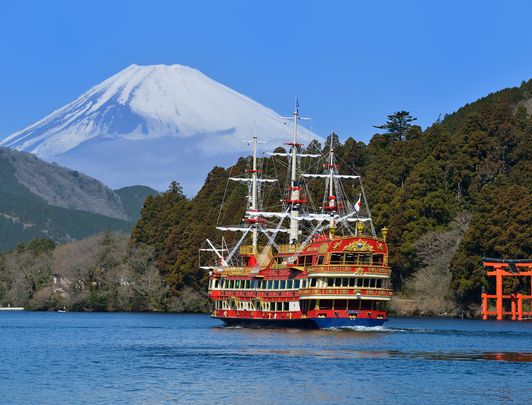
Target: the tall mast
(331, 174)
(254, 205)
(294, 184)
(332, 197)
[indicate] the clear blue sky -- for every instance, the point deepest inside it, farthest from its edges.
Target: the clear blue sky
(350, 62)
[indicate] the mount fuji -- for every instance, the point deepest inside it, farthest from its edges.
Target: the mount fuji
(153, 124)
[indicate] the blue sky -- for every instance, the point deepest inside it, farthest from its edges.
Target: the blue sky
(351, 63)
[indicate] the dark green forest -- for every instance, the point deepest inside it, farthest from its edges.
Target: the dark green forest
(465, 178)
(451, 194)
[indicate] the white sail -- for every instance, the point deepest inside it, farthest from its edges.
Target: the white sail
(233, 228)
(312, 155)
(267, 214)
(358, 219)
(336, 176)
(283, 230)
(249, 180)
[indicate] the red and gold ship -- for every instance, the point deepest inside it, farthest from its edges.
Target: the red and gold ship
(333, 274)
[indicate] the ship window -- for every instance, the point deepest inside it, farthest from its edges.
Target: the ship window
(364, 259)
(304, 261)
(337, 258)
(285, 306)
(378, 283)
(326, 304)
(231, 284)
(276, 284)
(345, 282)
(380, 306)
(366, 304)
(282, 285)
(320, 260)
(313, 282)
(365, 282)
(340, 304)
(296, 284)
(351, 258)
(278, 260)
(248, 283)
(352, 282)
(352, 304)
(270, 284)
(289, 284)
(378, 259)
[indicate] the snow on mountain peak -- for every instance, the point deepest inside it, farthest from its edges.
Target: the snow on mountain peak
(143, 103)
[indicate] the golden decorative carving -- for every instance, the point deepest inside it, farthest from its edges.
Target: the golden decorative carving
(359, 270)
(323, 248)
(336, 244)
(380, 246)
(359, 245)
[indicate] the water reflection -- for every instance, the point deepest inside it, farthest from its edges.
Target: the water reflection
(522, 357)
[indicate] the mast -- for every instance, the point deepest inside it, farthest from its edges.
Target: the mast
(254, 206)
(332, 197)
(294, 184)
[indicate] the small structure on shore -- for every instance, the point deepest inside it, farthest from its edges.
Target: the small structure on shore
(514, 275)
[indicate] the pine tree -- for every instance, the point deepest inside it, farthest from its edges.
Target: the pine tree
(398, 125)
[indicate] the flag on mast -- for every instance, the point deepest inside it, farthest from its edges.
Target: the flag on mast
(358, 203)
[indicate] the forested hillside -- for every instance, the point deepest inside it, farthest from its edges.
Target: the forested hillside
(43, 200)
(462, 186)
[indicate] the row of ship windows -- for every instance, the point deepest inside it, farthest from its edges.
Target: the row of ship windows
(320, 282)
(307, 305)
(358, 282)
(345, 304)
(258, 284)
(257, 306)
(336, 259)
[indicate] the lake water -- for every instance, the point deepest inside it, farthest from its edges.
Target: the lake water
(93, 358)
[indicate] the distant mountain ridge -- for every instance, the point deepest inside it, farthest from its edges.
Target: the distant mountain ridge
(43, 200)
(149, 124)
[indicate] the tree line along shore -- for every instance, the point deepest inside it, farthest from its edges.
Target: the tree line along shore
(449, 195)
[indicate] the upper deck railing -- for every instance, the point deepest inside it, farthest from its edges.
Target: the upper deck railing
(360, 269)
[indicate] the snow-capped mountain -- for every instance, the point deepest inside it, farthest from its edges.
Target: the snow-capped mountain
(152, 124)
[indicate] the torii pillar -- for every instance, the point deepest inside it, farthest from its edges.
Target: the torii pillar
(498, 290)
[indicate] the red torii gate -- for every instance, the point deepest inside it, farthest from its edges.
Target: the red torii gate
(507, 268)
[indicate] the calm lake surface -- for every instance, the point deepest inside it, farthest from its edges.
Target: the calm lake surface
(69, 358)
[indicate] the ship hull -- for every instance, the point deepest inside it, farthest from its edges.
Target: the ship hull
(307, 323)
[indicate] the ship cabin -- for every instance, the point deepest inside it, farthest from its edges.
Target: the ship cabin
(346, 277)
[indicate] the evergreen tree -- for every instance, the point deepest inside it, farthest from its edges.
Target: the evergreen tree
(398, 125)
